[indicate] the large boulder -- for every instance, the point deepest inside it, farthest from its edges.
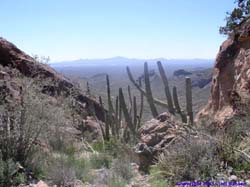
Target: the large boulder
(155, 135)
(231, 80)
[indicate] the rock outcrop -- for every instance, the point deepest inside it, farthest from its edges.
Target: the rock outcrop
(231, 80)
(181, 72)
(155, 135)
(15, 63)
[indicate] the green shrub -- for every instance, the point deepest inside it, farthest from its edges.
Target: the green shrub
(159, 183)
(24, 127)
(234, 141)
(157, 178)
(114, 148)
(117, 182)
(20, 178)
(63, 170)
(70, 150)
(9, 174)
(100, 160)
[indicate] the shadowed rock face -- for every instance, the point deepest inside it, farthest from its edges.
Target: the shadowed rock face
(231, 79)
(15, 59)
(201, 83)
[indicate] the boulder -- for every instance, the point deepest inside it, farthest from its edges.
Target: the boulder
(91, 128)
(155, 135)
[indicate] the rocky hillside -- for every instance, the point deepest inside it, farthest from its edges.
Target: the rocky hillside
(13, 61)
(231, 79)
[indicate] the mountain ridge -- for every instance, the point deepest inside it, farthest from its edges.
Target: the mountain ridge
(124, 60)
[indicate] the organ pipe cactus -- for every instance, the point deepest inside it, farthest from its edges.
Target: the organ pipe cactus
(166, 87)
(130, 100)
(149, 94)
(177, 106)
(135, 112)
(124, 108)
(189, 99)
(172, 102)
(143, 92)
(114, 118)
(141, 107)
(105, 132)
(132, 116)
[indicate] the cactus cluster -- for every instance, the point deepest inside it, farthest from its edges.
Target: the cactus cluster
(123, 121)
(172, 102)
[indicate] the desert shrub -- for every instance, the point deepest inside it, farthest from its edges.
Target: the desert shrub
(189, 160)
(115, 148)
(9, 174)
(100, 160)
(122, 168)
(21, 127)
(157, 178)
(59, 142)
(116, 182)
(63, 170)
(38, 163)
(26, 125)
(234, 149)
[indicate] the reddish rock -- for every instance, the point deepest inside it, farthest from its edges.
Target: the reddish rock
(231, 79)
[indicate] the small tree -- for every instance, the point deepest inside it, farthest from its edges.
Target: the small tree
(236, 17)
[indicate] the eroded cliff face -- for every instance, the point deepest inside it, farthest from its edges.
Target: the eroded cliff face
(231, 79)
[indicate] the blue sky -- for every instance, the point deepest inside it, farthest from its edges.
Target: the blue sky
(73, 29)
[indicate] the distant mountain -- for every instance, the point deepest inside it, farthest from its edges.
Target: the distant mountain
(122, 61)
(117, 66)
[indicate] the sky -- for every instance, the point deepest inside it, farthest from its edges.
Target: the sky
(90, 29)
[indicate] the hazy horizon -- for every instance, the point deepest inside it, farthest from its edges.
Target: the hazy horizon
(126, 58)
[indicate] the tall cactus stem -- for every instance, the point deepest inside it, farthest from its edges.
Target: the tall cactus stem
(166, 87)
(117, 123)
(105, 132)
(149, 94)
(131, 78)
(130, 100)
(141, 107)
(189, 99)
(135, 112)
(88, 89)
(110, 107)
(177, 106)
(125, 112)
